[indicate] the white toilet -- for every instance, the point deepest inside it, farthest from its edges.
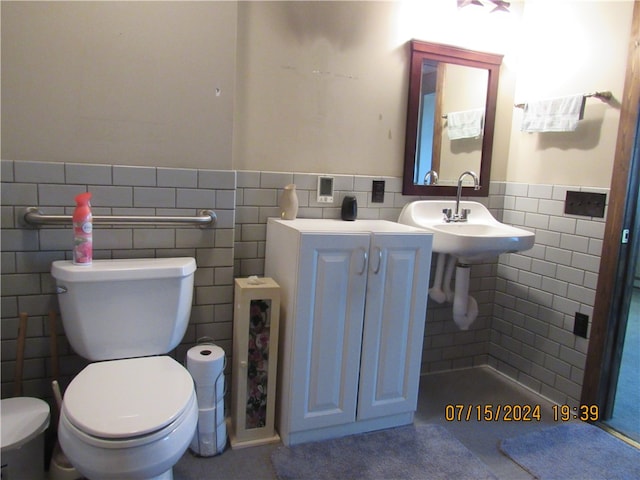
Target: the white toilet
(133, 412)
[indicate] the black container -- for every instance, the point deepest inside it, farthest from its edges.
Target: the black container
(349, 208)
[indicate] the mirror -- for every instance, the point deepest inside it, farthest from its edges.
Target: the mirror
(450, 118)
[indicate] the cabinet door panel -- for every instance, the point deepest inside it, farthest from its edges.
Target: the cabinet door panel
(394, 324)
(328, 329)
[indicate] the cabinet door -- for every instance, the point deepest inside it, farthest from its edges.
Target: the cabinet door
(396, 306)
(328, 329)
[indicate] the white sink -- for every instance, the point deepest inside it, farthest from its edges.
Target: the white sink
(480, 237)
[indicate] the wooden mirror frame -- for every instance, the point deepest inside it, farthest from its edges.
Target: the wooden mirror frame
(421, 51)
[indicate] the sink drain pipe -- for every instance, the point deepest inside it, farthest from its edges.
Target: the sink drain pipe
(465, 307)
(436, 293)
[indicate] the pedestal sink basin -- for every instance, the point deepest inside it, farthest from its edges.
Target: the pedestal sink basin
(481, 237)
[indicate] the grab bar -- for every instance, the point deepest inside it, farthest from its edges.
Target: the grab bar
(33, 216)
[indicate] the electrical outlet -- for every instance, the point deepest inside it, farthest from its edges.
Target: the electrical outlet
(377, 191)
(581, 325)
(588, 204)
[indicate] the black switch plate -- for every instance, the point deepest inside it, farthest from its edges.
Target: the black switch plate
(581, 325)
(587, 204)
(377, 191)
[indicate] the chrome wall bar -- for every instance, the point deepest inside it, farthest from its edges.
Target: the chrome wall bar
(33, 216)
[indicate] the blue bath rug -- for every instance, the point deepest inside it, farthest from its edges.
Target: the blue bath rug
(577, 451)
(418, 452)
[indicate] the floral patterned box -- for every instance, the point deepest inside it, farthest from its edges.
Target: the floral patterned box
(255, 357)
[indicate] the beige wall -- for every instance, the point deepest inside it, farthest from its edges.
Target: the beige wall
(129, 83)
(319, 86)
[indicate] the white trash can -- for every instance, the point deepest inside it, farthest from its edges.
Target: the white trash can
(24, 421)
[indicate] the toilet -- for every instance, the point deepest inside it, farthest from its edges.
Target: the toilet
(132, 412)
(23, 420)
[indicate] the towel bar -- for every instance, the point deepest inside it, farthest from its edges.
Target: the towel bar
(33, 216)
(604, 95)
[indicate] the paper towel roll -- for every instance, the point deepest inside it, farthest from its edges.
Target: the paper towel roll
(205, 363)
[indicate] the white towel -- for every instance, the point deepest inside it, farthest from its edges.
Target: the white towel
(465, 124)
(553, 115)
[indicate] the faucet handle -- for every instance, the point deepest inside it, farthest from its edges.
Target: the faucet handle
(465, 213)
(447, 214)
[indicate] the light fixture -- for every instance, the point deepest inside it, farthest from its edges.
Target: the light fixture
(499, 5)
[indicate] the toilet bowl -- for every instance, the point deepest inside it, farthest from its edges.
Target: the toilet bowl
(133, 412)
(24, 421)
(131, 418)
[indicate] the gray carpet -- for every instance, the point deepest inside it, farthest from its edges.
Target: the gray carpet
(413, 452)
(574, 451)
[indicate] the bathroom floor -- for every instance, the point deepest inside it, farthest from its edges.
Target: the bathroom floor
(477, 386)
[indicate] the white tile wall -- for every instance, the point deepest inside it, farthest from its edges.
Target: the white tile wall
(539, 291)
(527, 300)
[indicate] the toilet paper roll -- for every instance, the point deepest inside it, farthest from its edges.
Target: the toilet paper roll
(205, 363)
(209, 395)
(211, 443)
(210, 418)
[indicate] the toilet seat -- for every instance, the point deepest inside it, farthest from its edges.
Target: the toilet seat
(134, 398)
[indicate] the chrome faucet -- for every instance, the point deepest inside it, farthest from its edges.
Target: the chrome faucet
(431, 174)
(461, 216)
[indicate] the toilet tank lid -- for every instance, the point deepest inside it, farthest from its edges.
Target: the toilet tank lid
(123, 269)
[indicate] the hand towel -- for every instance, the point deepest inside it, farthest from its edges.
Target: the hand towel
(553, 115)
(465, 124)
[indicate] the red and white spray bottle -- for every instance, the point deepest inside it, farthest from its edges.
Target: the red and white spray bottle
(82, 230)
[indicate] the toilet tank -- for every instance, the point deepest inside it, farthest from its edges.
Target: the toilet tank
(125, 308)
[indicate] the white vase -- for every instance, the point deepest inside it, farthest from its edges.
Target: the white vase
(289, 203)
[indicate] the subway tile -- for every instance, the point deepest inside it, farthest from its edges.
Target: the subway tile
(59, 195)
(551, 207)
(38, 172)
(81, 173)
(20, 284)
(225, 199)
(562, 224)
(250, 179)
(516, 189)
(23, 194)
(535, 220)
(134, 176)
(590, 263)
(275, 180)
(558, 255)
(153, 238)
(525, 204)
(195, 237)
(177, 177)
(570, 274)
(105, 238)
(595, 247)
(540, 191)
(581, 294)
(590, 228)
(20, 240)
(111, 196)
(154, 197)
(6, 171)
(217, 179)
(192, 198)
(574, 243)
(565, 305)
(36, 262)
(260, 197)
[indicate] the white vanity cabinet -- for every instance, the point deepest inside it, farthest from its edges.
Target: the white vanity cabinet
(353, 308)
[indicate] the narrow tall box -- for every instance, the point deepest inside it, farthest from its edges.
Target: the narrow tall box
(256, 321)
